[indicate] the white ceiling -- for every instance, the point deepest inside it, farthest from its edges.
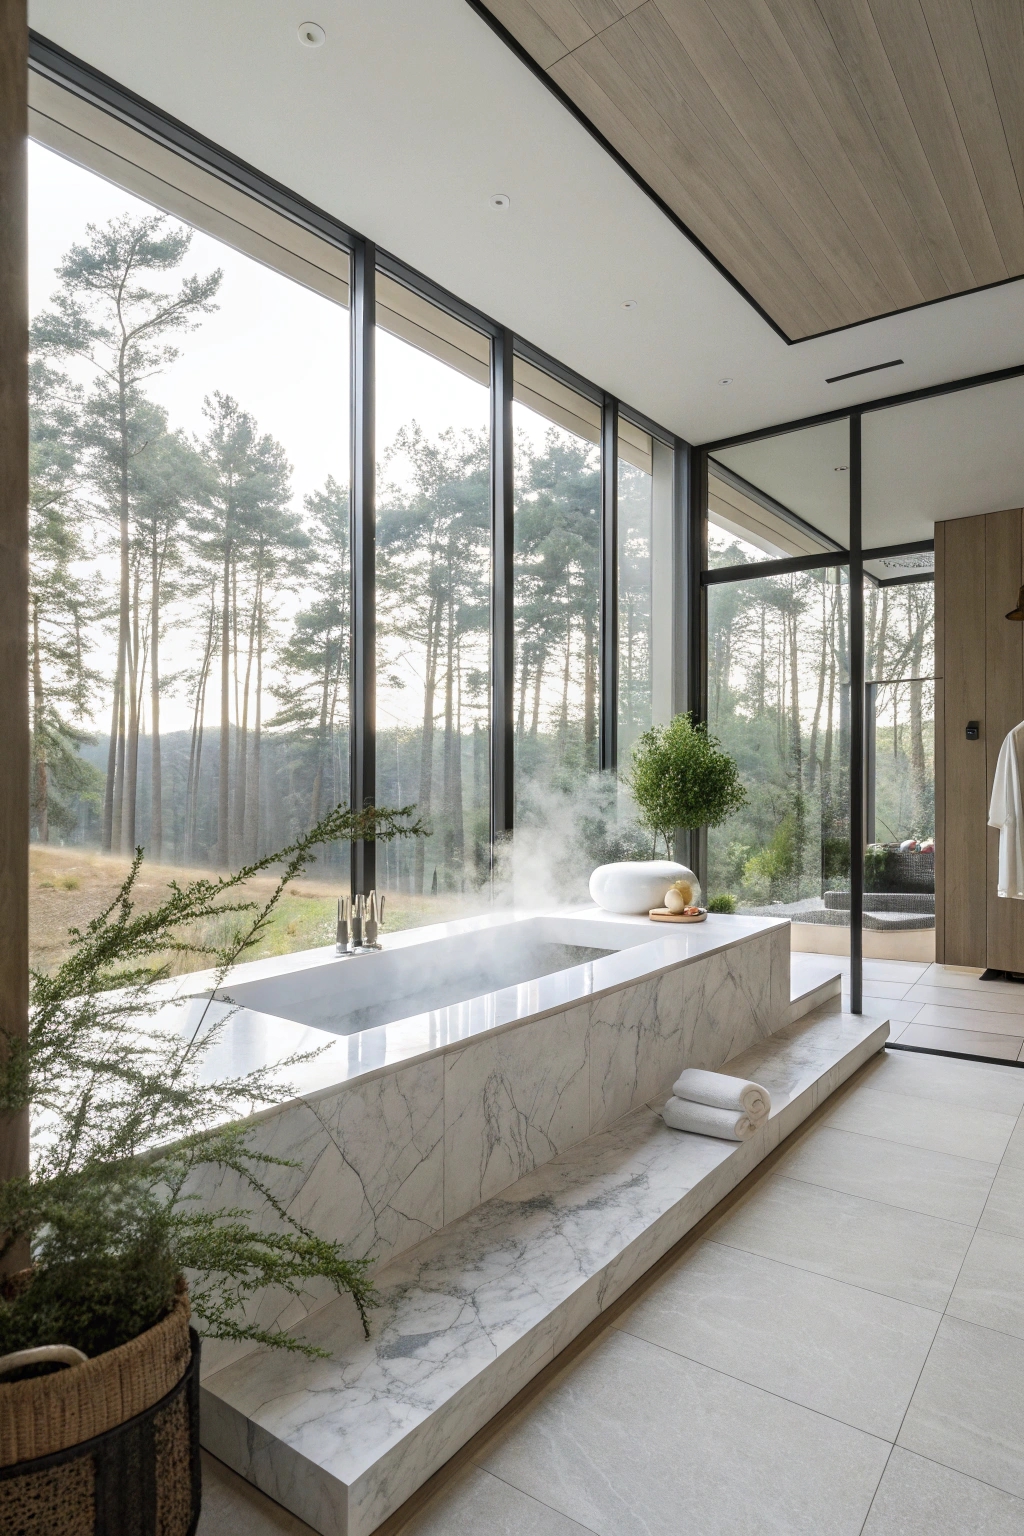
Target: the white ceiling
(412, 115)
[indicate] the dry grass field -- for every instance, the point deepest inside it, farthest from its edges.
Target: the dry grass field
(68, 886)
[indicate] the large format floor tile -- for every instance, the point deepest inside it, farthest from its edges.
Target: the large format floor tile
(935, 1183)
(985, 1020)
(976, 1133)
(918, 1498)
(478, 1504)
(1004, 1209)
(968, 1409)
(896, 1252)
(971, 1084)
(961, 979)
(971, 1042)
(958, 997)
(233, 1507)
(843, 1351)
(636, 1441)
(990, 1287)
(1013, 1157)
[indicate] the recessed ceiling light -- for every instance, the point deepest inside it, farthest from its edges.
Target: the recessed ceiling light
(629, 303)
(500, 200)
(311, 35)
(725, 381)
(841, 469)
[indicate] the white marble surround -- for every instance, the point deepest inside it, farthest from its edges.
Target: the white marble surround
(472, 1313)
(390, 1143)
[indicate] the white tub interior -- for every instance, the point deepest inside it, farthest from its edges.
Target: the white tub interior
(347, 996)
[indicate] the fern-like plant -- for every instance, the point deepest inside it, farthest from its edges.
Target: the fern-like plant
(124, 1117)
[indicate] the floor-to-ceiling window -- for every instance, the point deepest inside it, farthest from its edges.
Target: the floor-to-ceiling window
(189, 546)
(778, 672)
(433, 551)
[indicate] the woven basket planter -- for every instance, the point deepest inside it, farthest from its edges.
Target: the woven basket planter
(110, 1447)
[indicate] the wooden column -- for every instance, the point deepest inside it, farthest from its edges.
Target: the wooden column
(14, 738)
(1004, 708)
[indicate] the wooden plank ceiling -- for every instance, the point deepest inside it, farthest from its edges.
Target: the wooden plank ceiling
(842, 159)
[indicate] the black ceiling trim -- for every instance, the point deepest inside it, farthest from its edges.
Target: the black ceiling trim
(791, 341)
(570, 106)
(883, 403)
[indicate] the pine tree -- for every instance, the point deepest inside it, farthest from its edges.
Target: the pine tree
(106, 315)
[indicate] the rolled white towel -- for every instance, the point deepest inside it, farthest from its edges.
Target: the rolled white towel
(706, 1120)
(724, 1093)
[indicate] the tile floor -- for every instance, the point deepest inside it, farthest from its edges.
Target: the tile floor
(842, 1354)
(944, 1007)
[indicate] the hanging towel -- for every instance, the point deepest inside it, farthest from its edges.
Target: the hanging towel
(705, 1120)
(723, 1092)
(1007, 813)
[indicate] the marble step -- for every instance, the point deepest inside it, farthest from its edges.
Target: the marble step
(813, 981)
(468, 1317)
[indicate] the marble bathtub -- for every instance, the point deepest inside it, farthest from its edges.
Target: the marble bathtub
(399, 1128)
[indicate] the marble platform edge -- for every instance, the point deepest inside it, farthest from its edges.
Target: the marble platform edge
(336, 1507)
(815, 996)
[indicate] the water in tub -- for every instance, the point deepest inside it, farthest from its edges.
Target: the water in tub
(349, 995)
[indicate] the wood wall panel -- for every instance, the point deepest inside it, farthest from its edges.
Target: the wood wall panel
(979, 566)
(961, 597)
(939, 746)
(1004, 708)
(841, 158)
(14, 739)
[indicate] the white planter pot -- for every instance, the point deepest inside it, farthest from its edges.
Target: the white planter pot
(638, 885)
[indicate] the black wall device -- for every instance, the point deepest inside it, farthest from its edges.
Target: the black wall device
(973, 730)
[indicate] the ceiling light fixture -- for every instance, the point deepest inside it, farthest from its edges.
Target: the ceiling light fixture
(500, 200)
(629, 303)
(840, 469)
(311, 35)
(725, 381)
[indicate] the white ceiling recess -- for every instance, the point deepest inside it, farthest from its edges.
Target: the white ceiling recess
(411, 116)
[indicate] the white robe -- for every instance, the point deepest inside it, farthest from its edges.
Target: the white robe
(1007, 813)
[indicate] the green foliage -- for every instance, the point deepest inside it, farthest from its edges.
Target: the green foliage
(681, 779)
(724, 903)
(126, 1120)
(773, 865)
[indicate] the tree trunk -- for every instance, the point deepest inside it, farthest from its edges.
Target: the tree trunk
(321, 736)
(589, 695)
(224, 780)
(427, 738)
(131, 778)
(257, 737)
(242, 743)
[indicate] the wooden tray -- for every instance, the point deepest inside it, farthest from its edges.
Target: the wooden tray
(663, 915)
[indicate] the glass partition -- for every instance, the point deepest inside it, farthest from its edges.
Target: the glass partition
(779, 700)
(780, 496)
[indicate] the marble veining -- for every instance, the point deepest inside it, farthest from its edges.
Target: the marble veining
(471, 1313)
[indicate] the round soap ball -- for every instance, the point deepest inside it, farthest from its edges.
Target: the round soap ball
(637, 885)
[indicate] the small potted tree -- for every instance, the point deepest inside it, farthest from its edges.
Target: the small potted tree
(681, 779)
(99, 1381)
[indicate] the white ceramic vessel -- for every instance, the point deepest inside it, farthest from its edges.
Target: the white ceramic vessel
(638, 885)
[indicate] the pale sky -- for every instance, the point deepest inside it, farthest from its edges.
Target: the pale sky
(280, 349)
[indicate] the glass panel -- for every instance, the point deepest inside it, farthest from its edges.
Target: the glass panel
(557, 564)
(433, 604)
(190, 578)
(635, 533)
(899, 864)
(780, 496)
(779, 700)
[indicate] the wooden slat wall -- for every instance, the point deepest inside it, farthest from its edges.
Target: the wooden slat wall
(842, 158)
(960, 599)
(979, 566)
(1004, 707)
